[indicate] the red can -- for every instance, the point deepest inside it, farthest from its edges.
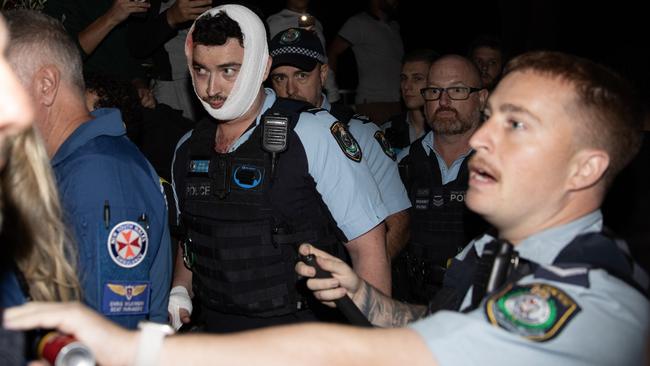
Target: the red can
(64, 350)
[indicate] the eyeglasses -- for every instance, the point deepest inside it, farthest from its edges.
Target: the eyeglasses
(454, 92)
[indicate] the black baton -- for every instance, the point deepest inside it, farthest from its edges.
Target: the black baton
(344, 304)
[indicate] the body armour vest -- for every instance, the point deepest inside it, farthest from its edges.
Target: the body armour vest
(398, 132)
(244, 225)
(441, 224)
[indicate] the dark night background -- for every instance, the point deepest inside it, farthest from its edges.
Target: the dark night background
(612, 33)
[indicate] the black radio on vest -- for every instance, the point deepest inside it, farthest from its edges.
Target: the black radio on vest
(275, 129)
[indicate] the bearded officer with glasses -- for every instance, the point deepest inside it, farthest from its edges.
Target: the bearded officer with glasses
(435, 174)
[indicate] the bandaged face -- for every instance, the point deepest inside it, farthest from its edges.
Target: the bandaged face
(227, 77)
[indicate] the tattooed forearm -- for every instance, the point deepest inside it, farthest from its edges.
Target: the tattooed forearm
(384, 311)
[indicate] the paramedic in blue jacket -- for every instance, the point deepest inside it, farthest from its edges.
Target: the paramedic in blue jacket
(111, 196)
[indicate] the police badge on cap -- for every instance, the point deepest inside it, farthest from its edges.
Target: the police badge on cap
(290, 36)
(298, 48)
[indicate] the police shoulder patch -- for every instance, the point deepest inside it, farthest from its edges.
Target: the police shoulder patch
(127, 244)
(385, 145)
(536, 311)
(346, 141)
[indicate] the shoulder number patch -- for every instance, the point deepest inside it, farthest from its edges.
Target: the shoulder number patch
(346, 141)
(536, 311)
(127, 244)
(385, 145)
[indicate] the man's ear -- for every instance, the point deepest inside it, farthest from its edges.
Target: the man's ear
(588, 168)
(46, 85)
(483, 95)
(324, 69)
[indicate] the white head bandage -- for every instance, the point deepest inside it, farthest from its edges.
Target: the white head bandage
(251, 74)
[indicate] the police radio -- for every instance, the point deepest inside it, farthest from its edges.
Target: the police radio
(504, 259)
(275, 131)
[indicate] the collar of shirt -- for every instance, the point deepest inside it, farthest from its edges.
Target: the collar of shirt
(447, 174)
(268, 102)
(544, 246)
(106, 122)
(325, 104)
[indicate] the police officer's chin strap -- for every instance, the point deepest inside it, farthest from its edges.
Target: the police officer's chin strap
(251, 74)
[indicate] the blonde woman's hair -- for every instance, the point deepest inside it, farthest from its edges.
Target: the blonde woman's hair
(32, 222)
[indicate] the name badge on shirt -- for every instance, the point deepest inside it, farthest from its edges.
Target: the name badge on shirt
(126, 298)
(199, 166)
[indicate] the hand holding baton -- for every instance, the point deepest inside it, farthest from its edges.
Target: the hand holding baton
(344, 304)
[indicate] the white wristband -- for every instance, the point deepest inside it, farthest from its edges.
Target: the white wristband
(150, 343)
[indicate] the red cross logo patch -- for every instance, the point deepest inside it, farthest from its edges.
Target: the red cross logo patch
(127, 244)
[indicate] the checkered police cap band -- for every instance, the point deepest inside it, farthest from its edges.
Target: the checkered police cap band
(293, 50)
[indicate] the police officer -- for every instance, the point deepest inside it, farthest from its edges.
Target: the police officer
(299, 72)
(435, 172)
(260, 176)
(402, 129)
(111, 195)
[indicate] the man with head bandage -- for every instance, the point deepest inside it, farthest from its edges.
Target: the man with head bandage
(245, 209)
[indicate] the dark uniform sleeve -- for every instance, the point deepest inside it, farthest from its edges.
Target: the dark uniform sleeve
(119, 219)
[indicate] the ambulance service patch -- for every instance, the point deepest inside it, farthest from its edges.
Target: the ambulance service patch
(127, 244)
(385, 145)
(346, 141)
(536, 311)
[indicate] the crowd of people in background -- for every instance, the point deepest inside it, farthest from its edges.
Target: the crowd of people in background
(167, 161)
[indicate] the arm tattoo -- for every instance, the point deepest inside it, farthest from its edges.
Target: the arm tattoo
(384, 311)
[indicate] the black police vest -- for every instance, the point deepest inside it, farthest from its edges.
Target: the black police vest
(441, 224)
(243, 226)
(398, 132)
(592, 251)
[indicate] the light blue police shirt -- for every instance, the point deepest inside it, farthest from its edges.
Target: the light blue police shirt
(383, 167)
(607, 327)
(447, 173)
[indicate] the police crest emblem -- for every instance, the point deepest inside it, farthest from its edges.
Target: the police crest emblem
(127, 244)
(385, 145)
(536, 311)
(346, 141)
(289, 36)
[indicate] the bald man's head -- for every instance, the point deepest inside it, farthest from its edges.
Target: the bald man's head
(458, 65)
